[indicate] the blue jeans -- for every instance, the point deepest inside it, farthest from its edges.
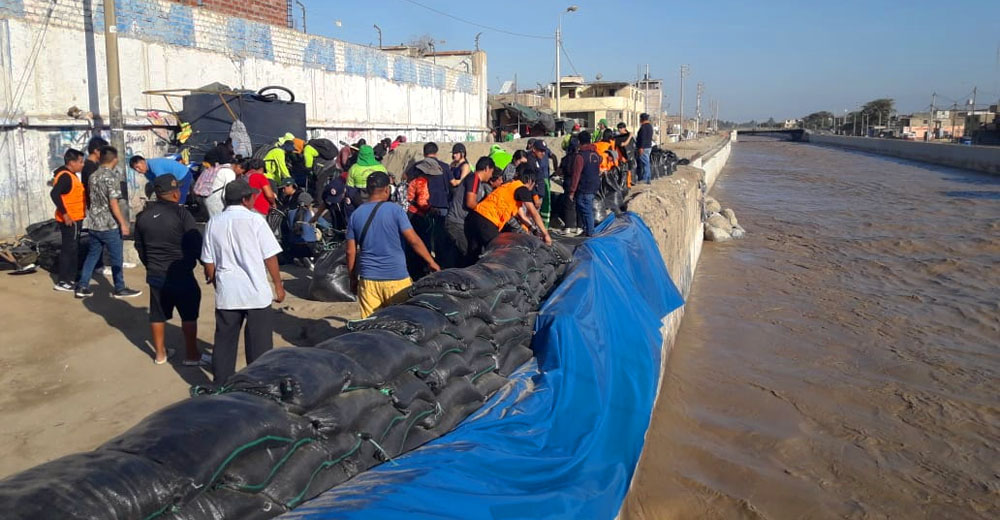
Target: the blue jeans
(585, 212)
(644, 173)
(98, 241)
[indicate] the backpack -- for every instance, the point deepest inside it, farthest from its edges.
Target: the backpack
(203, 184)
(327, 150)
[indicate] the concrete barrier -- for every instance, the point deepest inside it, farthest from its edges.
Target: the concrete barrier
(979, 158)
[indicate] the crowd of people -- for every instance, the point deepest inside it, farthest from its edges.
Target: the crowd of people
(266, 209)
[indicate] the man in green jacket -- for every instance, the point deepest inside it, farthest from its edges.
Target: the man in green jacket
(357, 175)
(602, 125)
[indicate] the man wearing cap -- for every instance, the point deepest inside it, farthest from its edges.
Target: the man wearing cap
(598, 133)
(239, 252)
(459, 165)
(541, 158)
(643, 146)
(375, 252)
(169, 243)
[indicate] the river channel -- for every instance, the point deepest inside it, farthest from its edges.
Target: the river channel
(843, 360)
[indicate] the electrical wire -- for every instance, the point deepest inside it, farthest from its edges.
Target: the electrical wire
(570, 60)
(476, 24)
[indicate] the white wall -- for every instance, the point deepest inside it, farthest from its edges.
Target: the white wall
(54, 60)
(980, 158)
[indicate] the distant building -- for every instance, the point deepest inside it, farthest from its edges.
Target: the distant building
(939, 125)
(792, 123)
(616, 101)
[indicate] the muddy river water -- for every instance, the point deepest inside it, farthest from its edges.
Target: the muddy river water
(842, 361)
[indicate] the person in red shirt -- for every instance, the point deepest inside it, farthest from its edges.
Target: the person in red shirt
(253, 171)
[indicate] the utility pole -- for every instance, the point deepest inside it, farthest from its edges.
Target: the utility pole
(379, 29)
(684, 72)
(972, 115)
(954, 110)
(697, 110)
(930, 118)
(116, 118)
(558, 92)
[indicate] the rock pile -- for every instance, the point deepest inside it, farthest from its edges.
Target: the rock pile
(721, 224)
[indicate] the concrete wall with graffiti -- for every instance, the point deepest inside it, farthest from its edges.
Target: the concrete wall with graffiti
(52, 57)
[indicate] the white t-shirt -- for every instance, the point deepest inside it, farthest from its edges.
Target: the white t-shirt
(213, 202)
(238, 241)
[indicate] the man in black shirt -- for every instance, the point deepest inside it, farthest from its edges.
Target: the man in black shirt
(643, 145)
(169, 243)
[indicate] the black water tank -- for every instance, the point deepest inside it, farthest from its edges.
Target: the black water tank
(266, 119)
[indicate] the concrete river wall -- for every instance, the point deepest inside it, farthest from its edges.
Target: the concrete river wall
(978, 158)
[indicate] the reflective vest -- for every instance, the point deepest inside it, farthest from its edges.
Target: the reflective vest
(275, 167)
(498, 207)
(74, 201)
(606, 161)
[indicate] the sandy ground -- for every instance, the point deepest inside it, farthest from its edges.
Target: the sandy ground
(77, 372)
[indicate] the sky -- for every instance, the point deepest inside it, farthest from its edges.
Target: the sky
(757, 58)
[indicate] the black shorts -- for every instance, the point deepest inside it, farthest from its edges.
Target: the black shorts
(186, 298)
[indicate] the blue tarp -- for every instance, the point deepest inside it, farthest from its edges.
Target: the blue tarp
(563, 440)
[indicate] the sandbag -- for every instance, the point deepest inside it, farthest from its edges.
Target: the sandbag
(346, 411)
(215, 504)
(300, 377)
(513, 358)
(198, 437)
(408, 321)
(408, 388)
(331, 281)
(514, 259)
(452, 307)
(383, 352)
(508, 240)
(451, 366)
(96, 484)
(489, 383)
(420, 416)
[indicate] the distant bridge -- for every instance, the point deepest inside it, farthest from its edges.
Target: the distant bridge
(793, 134)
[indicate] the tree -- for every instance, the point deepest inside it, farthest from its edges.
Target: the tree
(771, 123)
(423, 43)
(817, 120)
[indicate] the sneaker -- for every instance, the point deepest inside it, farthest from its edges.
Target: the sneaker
(128, 265)
(106, 271)
(83, 292)
(126, 293)
(64, 287)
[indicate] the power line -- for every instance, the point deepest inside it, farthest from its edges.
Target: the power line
(476, 24)
(570, 60)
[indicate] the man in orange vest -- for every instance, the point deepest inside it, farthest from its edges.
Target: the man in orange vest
(68, 195)
(513, 199)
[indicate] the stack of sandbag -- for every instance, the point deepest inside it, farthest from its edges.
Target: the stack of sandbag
(331, 280)
(301, 420)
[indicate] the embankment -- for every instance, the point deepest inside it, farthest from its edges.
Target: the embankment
(979, 158)
(672, 209)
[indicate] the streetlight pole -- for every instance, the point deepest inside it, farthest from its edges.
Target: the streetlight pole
(379, 29)
(684, 72)
(558, 92)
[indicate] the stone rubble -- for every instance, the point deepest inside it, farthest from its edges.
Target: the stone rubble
(721, 224)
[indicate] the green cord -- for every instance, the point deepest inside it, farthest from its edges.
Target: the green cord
(241, 449)
(267, 480)
(298, 498)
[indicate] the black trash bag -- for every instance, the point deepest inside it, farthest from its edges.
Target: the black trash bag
(383, 352)
(452, 307)
(408, 388)
(489, 383)
(300, 377)
(215, 504)
(408, 321)
(331, 281)
(513, 358)
(316, 468)
(48, 240)
(96, 484)
(198, 437)
(347, 411)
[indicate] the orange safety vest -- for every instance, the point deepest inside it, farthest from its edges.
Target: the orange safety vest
(74, 201)
(498, 207)
(602, 150)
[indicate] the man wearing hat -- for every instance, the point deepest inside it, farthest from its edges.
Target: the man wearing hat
(375, 253)
(541, 159)
(459, 165)
(168, 243)
(239, 252)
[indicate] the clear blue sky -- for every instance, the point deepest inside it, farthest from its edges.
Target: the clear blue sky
(758, 58)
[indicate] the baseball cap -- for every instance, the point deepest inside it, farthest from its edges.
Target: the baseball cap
(165, 184)
(288, 181)
(377, 180)
(458, 148)
(539, 145)
(237, 190)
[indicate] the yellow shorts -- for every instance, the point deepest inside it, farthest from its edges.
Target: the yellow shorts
(375, 294)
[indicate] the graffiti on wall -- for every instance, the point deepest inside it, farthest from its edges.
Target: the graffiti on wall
(151, 21)
(245, 38)
(13, 8)
(65, 139)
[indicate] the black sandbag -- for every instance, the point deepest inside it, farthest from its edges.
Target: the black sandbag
(509, 240)
(452, 365)
(331, 281)
(478, 347)
(198, 437)
(346, 411)
(442, 344)
(513, 358)
(313, 469)
(475, 280)
(408, 388)
(300, 377)
(515, 259)
(48, 240)
(384, 353)
(511, 337)
(419, 416)
(452, 307)
(222, 503)
(96, 484)
(411, 322)
(489, 383)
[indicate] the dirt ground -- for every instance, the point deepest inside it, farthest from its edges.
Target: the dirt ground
(75, 373)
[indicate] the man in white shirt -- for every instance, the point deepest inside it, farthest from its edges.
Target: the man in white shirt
(239, 251)
(223, 176)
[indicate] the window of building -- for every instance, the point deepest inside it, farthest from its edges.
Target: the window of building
(572, 94)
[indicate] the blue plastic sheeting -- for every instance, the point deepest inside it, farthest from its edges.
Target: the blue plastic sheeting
(563, 440)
